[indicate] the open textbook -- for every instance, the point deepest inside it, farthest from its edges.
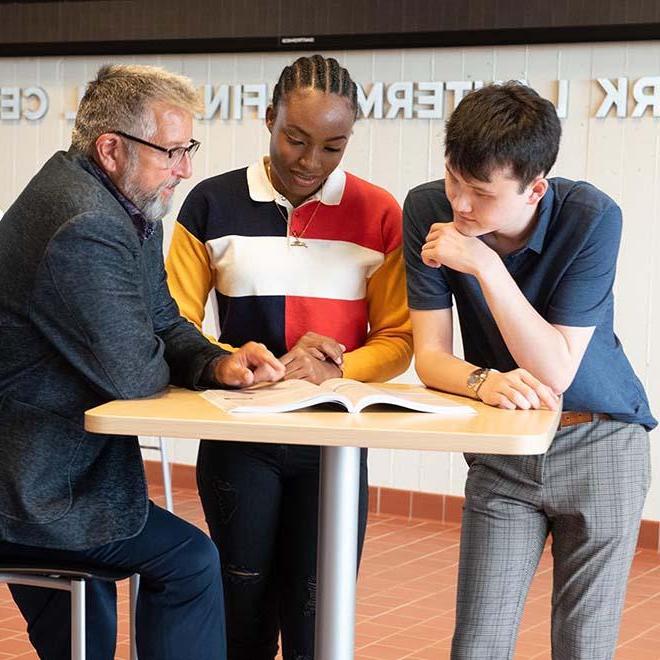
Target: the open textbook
(288, 395)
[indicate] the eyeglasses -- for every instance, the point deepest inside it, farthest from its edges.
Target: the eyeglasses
(175, 154)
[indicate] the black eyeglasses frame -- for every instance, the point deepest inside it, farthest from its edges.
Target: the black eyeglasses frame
(191, 149)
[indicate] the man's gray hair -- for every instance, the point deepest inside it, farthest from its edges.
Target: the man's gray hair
(120, 99)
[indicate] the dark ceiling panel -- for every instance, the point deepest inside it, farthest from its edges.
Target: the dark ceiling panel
(55, 27)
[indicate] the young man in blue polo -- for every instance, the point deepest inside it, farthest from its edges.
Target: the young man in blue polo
(530, 262)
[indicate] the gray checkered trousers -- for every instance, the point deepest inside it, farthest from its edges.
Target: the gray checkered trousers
(587, 491)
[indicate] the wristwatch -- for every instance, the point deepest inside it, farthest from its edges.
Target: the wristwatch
(476, 379)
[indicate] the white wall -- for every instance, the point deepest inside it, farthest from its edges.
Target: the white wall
(620, 155)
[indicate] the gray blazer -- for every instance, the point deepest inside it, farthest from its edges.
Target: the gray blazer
(85, 317)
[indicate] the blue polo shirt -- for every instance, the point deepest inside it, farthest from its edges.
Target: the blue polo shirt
(566, 271)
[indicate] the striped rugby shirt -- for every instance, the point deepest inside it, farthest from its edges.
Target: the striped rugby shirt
(348, 283)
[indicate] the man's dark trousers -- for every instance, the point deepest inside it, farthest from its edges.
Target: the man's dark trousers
(180, 611)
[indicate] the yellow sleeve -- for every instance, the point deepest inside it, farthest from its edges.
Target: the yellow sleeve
(190, 278)
(389, 348)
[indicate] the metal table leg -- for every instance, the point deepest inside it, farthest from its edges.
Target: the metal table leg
(339, 494)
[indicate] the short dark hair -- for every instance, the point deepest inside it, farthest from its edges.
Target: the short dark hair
(503, 126)
(317, 72)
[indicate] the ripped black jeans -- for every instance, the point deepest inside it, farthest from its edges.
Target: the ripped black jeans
(261, 506)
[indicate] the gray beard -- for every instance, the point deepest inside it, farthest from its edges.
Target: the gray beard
(153, 207)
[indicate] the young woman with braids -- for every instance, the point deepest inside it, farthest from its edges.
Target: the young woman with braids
(306, 259)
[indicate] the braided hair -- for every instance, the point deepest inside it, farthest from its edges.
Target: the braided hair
(316, 72)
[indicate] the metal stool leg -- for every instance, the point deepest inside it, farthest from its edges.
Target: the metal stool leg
(71, 579)
(167, 476)
(77, 619)
(134, 588)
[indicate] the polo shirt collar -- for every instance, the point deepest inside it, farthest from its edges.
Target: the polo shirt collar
(261, 190)
(537, 238)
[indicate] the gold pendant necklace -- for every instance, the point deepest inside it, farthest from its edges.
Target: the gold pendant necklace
(297, 242)
(297, 236)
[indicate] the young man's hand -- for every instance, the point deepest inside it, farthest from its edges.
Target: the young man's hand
(516, 389)
(446, 246)
(252, 363)
(315, 358)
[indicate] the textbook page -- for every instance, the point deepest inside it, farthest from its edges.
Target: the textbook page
(289, 395)
(361, 395)
(283, 396)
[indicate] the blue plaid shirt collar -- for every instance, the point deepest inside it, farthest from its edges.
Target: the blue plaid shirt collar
(145, 228)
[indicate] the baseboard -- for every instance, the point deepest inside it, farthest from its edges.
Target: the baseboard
(392, 501)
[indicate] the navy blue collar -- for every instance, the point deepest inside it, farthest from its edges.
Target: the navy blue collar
(543, 214)
(145, 228)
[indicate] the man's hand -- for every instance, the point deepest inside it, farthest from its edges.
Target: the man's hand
(446, 246)
(315, 358)
(516, 389)
(252, 363)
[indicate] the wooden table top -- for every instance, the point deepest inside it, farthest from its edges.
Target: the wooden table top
(181, 413)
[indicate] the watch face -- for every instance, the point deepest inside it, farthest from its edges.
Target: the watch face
(476, 377)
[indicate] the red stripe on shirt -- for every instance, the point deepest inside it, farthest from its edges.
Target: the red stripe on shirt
(343, 320)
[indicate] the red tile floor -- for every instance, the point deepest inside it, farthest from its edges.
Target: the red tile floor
(406, 597)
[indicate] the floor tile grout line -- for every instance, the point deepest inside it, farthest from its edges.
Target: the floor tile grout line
(632, 639)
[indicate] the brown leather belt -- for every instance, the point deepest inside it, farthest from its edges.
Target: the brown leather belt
(571, 418)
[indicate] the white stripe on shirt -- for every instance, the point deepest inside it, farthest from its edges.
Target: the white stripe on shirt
(269, 266)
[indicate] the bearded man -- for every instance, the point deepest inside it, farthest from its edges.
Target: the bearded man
(86, 317)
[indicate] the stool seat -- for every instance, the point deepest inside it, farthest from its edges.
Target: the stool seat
(65, 576)
(72, 571)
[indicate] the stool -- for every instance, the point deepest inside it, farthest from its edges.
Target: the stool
(65, 577)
